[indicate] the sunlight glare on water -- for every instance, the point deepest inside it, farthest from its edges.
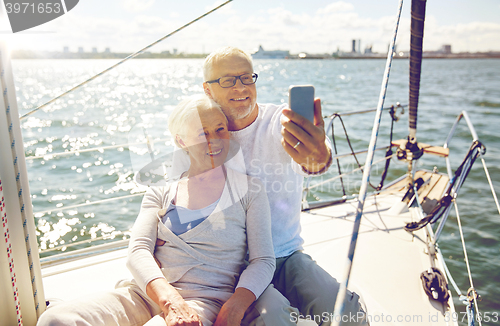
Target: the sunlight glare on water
(111, 114)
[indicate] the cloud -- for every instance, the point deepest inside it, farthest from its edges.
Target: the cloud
(81, 31)
(137, 6)
(336, 7)
(281, 16)
(472, 37)
(225, 10)
(332, 26)
(324, 30)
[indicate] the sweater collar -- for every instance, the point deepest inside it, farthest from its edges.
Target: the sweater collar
(250, 128)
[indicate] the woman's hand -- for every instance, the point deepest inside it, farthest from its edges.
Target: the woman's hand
(233, 311)
(175, 309)
(179, 313)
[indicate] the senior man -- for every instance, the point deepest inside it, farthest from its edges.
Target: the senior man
(279, 147)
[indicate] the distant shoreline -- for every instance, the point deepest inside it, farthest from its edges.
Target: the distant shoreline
(23, 54)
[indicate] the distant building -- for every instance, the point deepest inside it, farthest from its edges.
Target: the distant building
(356, 46)
(107, 50)
(80, 49)
(446, 48)
(66, 49)
(275, 54)
(94, 50)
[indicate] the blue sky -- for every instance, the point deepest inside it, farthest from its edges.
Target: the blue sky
(315, 26)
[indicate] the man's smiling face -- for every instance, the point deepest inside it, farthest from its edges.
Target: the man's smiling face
(238, 102)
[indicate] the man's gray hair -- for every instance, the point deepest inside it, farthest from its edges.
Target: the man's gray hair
(220, 54)
(179, 118)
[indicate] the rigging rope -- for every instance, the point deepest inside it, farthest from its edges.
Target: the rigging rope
(466, 257)
(38, 305)
(353, 154)
(461, 173)
(476, 149)
(350, 147)
(122, 61)
(347, 173)
(336, 151)
(447, 271)
(388, 156)
(389, 151)
(490, 183)
(339, 304)
(10, 258)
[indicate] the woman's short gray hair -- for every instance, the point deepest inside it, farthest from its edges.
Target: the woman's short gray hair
(213, 58)
(177, 121)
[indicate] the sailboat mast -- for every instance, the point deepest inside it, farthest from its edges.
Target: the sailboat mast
(411, 150)
(417, 36)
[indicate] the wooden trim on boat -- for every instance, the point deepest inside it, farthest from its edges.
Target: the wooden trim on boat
(430, 149)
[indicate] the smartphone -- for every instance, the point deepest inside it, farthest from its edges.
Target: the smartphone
(301, 100)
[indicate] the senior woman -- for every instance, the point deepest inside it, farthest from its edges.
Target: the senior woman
(203, 226)
(204, 223)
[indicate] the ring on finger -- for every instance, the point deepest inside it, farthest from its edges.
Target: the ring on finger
(296, 145)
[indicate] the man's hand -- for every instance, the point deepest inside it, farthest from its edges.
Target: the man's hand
(233, 311)
(305, 141)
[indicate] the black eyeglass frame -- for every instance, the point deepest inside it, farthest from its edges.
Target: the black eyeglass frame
(254, 79)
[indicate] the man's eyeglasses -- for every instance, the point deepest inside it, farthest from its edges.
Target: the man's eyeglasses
(230, 81)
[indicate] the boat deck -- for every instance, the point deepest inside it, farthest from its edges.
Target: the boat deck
(386, 270)
(80, 274)
(387, 262)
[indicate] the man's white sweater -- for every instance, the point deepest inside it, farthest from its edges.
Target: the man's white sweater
(265, 158)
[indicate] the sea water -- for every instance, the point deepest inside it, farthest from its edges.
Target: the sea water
(119, 111)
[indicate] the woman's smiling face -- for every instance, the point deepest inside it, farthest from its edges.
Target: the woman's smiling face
(206, 139)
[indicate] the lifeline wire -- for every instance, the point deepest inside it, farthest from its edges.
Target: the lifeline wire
(490, 183)
(8, 244)
(466, 258)
(86, 150)
(29, 252)
(347, 173)
(65, 208)
(339, 304)
(122, 61)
